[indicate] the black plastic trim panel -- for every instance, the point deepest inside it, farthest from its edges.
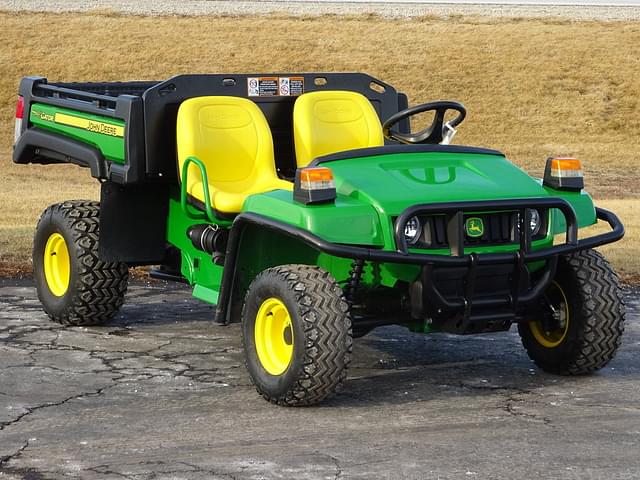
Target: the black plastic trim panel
(161, 103)
(39, 146)
(133, 223)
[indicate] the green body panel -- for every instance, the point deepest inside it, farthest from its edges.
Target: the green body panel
(392, 183)
(104, 133)
(374, 274)
(348, 220)
(581, 202)
(371, 192)
(196, 266)
(209, 295)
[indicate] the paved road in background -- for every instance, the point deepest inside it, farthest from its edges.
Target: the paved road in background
(561, 9)
(591, 3)
(161, 393)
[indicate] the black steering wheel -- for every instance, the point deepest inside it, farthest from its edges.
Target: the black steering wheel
(435, 133)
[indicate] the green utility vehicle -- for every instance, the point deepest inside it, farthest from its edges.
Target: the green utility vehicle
(305, 207)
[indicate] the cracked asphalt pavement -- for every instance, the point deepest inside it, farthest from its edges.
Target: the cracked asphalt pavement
(162, 393)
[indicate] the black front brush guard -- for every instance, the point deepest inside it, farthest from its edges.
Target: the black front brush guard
(434, 303)
(457, 258)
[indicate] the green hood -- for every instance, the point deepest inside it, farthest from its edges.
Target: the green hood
(373, 190)
(392, 183)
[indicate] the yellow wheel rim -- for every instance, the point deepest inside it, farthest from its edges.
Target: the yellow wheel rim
(274, 336)
(555, 336)
(57, 267)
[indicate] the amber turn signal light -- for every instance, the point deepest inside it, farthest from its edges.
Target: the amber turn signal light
(563, 173)
(314, 185)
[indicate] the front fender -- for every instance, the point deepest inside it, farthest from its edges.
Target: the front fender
(582, 204)
(345, 221)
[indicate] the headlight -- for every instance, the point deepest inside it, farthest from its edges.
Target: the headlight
(412, 230)
(535, 223)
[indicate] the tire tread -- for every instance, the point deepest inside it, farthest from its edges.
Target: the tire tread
(601, 313)
(100, 286)
(328, 334)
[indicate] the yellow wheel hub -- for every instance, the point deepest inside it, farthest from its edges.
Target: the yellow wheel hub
(57, 267)
(274, 336)
(555, 336)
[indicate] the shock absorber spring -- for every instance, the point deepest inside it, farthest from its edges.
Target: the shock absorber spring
(355, 275)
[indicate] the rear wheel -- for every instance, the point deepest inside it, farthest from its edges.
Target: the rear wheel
(296, 333)
(74, 286)
(585, 328)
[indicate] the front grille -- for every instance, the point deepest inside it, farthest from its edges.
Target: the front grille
(500, 228)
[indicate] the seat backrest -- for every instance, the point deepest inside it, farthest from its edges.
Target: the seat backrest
(331, 121)
(229, 134)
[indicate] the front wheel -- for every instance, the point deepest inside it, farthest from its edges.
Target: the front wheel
(296, 332)
(584, 329)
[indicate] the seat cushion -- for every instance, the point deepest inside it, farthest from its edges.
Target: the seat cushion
(227, 201)
(331, 121)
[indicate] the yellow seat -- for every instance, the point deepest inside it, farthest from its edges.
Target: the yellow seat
(231, 136)
(333, 121)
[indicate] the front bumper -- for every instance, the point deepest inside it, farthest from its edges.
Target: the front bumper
(455, 230)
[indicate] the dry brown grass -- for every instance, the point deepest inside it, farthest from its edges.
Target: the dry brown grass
(532, 87)
(624, 255)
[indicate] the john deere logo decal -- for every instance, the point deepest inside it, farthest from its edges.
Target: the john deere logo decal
(474, 227)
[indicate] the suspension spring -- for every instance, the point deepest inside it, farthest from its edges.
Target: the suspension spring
(355, 274)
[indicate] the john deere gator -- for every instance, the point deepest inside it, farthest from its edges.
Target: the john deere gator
(307, 208)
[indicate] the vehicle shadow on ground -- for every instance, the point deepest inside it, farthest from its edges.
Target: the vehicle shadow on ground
(397, 387)
(161, 314)
(161, 303)
(397, 367)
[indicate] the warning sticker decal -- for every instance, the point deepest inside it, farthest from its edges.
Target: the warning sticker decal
(275, 86)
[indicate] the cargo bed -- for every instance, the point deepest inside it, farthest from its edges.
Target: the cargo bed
(125, 131)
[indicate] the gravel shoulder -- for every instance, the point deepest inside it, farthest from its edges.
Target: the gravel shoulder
(392, 9)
